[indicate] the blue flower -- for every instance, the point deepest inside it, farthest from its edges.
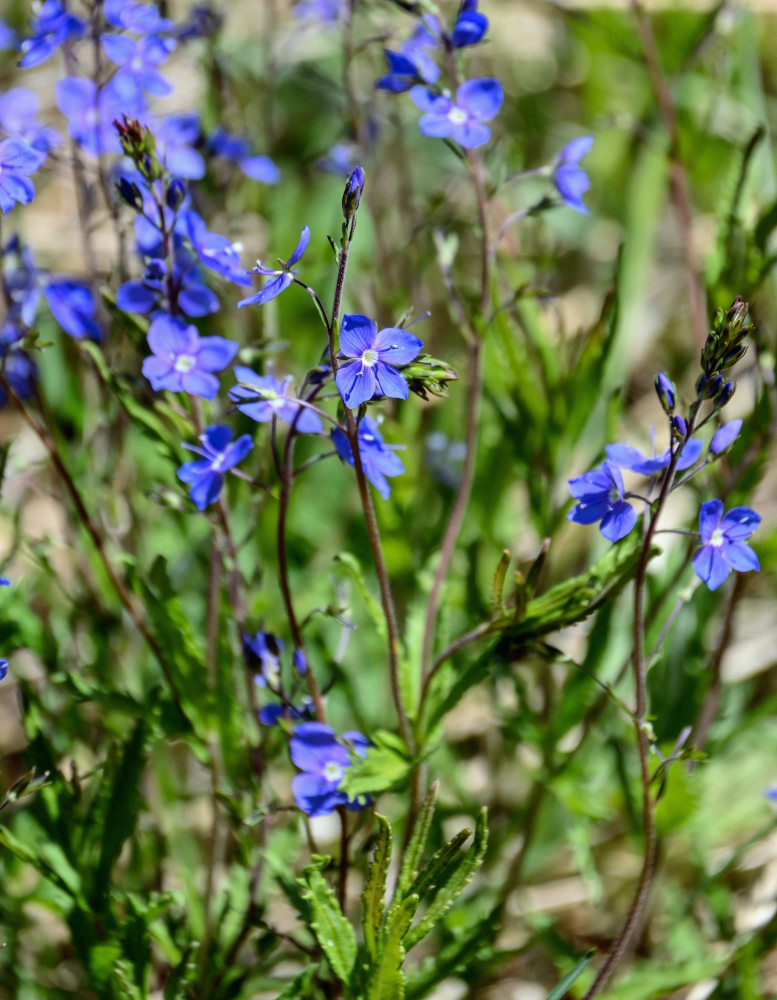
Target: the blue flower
(323, 759)
(52, 26)
(139, 59)
(220, 453)
(193, 297)
(725, 436)
(599, 496)
(353, 191)
(183, 361)
(477, 101)
(91, 112)
(20, 373)
(232, 147)
(281, 278)
(3, 669)
(262, 653)
(631, 458)
(723, 545)
(262, 397)
(270, 714)
(74, 307)
(17, 160)
(378, 461)
(216, 252)
(18, 117)
(175, 136)
(571, 180)
(141, 18)
(413, 64)
(373, 355)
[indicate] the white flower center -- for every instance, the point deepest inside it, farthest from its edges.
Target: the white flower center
(717, 539)
(457, 116)
(370, 357)
(613, 496)
(217, 463)
(185, 362)
(333, 771)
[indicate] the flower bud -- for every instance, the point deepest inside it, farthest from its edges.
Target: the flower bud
(129, 192)
(299, 660)
(701, 383)
(726, 393)
(353, 192)
(667, 394)
(679, 428)
(176, 192)
(713, 386)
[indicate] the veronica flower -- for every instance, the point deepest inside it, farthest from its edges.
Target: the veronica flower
(51, 26)
(270, 714)
(219, 454)
(3, 669)
(193, 297)
(20, 373)
(281, 278)
(323, 760)
(183, 361)
(571, 180)
(631, 458)
(263, 655)
(175, 136)
(17, 160)
(215, 252)
(138, 60)
(378, 461)
(91, 112)
(18, 117)
(142, 18)
(232, 147)
(74, 307)
(470, 25)
(599, 496)
(262, 397)
(723, 545)
(477, 101)
(725, 436)
(371, 358)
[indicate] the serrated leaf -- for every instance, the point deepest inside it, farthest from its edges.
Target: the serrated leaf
(561, 989)
(387, 980)
(373, 904)
(459, 878)
(352, 565)
(411, 859)
(333, 931)
(436, 871)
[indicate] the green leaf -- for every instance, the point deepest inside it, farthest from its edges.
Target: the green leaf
(436, 871)
(459, 878)
(387, 980)
(333, 932)
(353, 567)
(384, 765)
(561, 989)
(498, 583)
(375, 887)
(411, 859)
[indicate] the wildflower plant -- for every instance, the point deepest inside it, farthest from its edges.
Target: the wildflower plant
(349, 579)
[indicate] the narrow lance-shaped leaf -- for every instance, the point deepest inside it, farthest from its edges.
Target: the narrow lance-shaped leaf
(411, 859)
(561, 989)
(375, 887)
(455, 884)
(387, 980)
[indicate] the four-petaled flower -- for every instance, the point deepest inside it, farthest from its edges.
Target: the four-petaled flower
(323, 760)
(373, 355)
(377, 460)
(723, 545)
(183, 361)
(599, 496)
(477, 101)
(570, 179)
(281, 277)
(262, 397)
(219, 453)
(17, 160)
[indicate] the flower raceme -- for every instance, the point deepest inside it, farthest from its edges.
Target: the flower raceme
(477, 101)
(183, 361)
(370, 359)
(219, 453)
(723, 545)
(323, 761)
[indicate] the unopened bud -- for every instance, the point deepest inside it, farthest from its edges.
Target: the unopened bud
(353, 192)
(667, 394)
(176, 192)
(130, 193)
(726, 393)
(679, 428)
(713, 386)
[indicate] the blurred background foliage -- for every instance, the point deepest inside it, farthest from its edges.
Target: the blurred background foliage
(142, 868)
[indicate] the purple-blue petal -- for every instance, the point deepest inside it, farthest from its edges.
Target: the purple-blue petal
(481, 98)
(725, 436)
(709, 518)
(357, 334)
(301, 247)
